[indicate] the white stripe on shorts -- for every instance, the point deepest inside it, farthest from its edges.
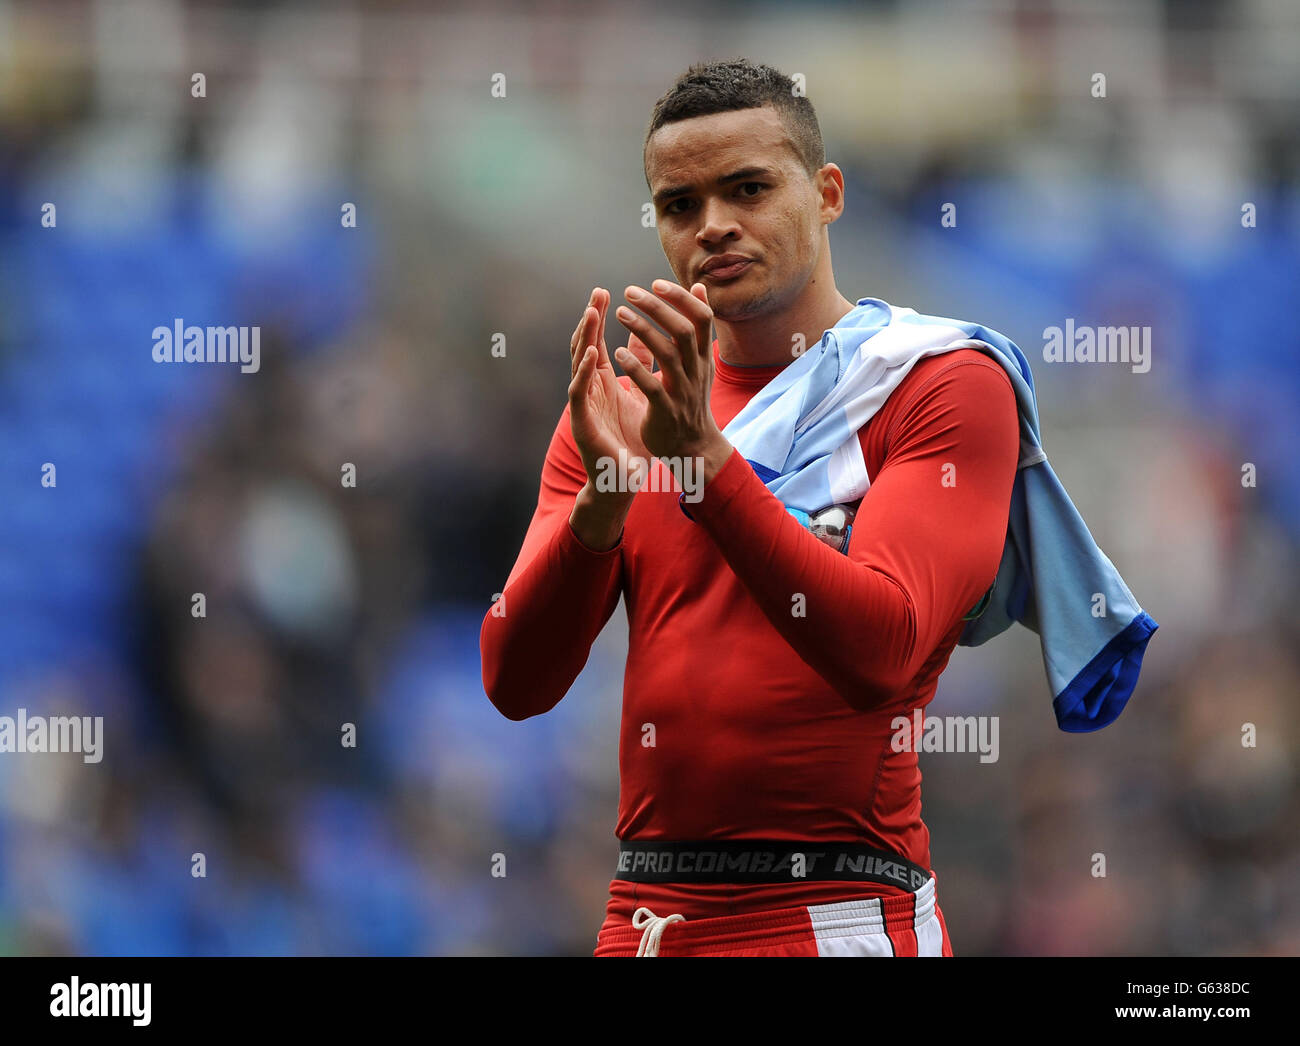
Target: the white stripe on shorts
(858, 927)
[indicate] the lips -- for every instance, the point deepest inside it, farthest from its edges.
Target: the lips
(726, 267)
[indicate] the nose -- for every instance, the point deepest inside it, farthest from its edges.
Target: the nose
(717, 223)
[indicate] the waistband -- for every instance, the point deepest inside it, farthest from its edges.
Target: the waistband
(822, 925)
(764, 861)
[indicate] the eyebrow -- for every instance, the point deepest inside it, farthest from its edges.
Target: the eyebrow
(664, 195)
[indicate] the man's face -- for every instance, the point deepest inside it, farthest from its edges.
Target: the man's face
(766, 210)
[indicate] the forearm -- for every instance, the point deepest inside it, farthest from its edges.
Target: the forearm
(854, 625)
(538, 635)
(926, 542)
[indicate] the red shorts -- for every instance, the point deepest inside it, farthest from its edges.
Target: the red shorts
(910, 924)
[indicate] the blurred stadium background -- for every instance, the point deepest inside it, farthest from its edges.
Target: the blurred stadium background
(478, 215)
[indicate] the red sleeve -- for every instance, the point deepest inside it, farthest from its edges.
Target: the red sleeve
(559, 595)
(925, 546)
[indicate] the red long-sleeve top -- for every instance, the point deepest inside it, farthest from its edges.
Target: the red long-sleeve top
(767, 723)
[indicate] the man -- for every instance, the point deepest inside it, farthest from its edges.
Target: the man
(763, 809)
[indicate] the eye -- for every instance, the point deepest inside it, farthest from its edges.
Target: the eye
(759, 187)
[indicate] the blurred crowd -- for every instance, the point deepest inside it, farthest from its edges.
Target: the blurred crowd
(270, 585)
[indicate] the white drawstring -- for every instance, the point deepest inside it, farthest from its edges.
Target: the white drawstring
(654, 929)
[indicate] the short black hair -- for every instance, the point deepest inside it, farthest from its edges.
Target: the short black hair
(707, 88)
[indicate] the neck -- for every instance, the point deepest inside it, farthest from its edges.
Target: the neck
(768, 339)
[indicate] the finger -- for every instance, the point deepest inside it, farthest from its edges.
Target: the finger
(638, 349)
(580, 341)
(668, 313)
(693, 306)
(704, 324)
(660, 345)
(641, 377)
(580, 383)
(577, 331)
(573, 347)
(601, 302)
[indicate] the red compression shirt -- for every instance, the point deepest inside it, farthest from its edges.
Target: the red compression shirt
(769, 725)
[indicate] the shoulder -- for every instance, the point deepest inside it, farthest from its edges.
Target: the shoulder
(963, 375)
(965, 390)
(960, 365)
